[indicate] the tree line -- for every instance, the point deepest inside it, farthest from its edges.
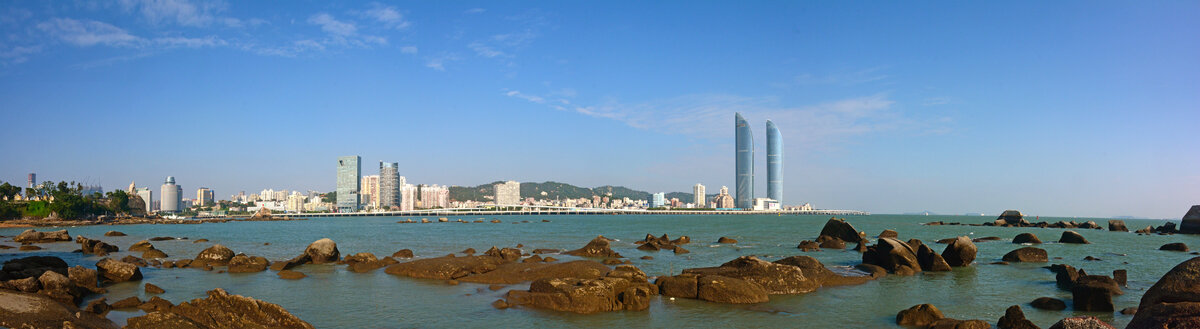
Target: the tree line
(65, 200)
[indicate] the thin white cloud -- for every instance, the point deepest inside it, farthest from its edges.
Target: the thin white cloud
(18, 54)
(408, 50)
(333, 26)
(484, 50)
(439, 62)
(530, 98)
(88, 33)
(183, 12)
(209, 41)
(475, 11)
(936, 101)
(387, 15)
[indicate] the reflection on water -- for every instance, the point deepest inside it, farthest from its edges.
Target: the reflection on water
(331, 297)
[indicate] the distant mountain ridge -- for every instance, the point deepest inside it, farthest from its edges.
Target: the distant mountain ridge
(556, 190)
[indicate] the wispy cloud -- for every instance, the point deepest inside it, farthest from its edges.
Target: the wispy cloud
(484, 50)
(936, 101)
(411, 50)
(182, 12)
(843, 79)
(439, 62)
(710, 115)
(87, 33)
(343, 32)
(387, 15)
(209, 41)
(18, 54)
(332, 25)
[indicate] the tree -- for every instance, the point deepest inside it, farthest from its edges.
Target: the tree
(118, 201)
(8, 191)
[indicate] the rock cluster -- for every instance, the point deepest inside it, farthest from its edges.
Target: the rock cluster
(1088, 292)
(218, 310)
(748, 279)
(651, 243)
(914, 256)
(624, 288)
(95, 247)
(598, 247)
(839, 228)
(31, 236)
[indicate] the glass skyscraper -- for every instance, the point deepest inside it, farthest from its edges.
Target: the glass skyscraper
(744, 186)
(349, 170)
(389, 185)
(774, 163)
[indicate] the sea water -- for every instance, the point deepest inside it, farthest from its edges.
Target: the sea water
(333, 297)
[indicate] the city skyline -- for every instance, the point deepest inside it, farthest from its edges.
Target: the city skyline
(1048, 108)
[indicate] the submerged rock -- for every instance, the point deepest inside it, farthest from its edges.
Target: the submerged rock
(1026, 238)
(1027, 254)
(1176, 246)
(919, 315)
(584, 295)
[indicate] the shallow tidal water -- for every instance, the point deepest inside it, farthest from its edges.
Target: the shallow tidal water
(332, 297)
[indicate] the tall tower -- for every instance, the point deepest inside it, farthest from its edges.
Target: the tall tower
(774, 163)
(698, 195)
(32, 180)
(171, 196)
(744, 185)
(349, 171)
(389, 185)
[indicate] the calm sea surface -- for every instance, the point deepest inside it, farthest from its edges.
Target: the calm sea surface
(332, 297)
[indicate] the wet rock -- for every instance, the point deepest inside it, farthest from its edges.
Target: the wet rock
(549, 259)
(290, 275)
(500, 304)
(682, 239)
(919, 316)
(1115, 225)
(154, 254)
(1048, 303)
(720, 289)
(986, 238)
(598, 247)
(1147, 230)
(647, 257)
(508, 254)
(774, 278)
(1094, 293)
(118, 271)
(1120, 277)
(1176, 246)
(403, 253)
(960, 252)
(828, 242)
(113, 233)
(892, 255)
(59, 288)
(1026, 238)
(1081, 322)
(512, 273)
(839, 228)
(153, 289)
(683, 285)
(215, 255)
(948, 323)
(807, 245)
(814, 270)
(85, 278)
(32, 236)
(1091, 258)
(532, 259)
(1072, 237)
(446, 267)
(134, 260)
(726, 240)
(98, 306)
(247, 264)
(861, 247)
(95, 247)
(32, 267)
(1014, 318)
(221, 310)
(130, 302)
(164, 238)
(583, 295)
(141, 246)
(200, 240)
(1027, 254)
(929, 260)
(1065, 276)
(27, 310)
(30, 284)
(155, 304)
(889, 234)
(680, 250)
(546, 251)
(1173, 301)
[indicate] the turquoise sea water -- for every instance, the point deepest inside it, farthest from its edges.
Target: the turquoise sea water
(332, 297)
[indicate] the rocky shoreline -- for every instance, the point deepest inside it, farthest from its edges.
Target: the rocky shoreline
(131, 221)
(601, 281)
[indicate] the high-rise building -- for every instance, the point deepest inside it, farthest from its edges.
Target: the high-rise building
(147, 197)
(434, 196)
(723, 200)
(774, 163)
(32, 180)
(698, 195)
(295, 202)
(369, 191)
(658, 200)
(508, 193)
(171, 196)
(408, 197)
(204, 197)
(349, 169)
(744, 163)
(389, 186)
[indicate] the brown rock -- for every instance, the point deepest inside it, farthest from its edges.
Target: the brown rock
(27, 310)
(727, 240)
(828, 242)
(403, 253)
(1117, 226)
(153, 289)
(1072, 237)
(85, 277)
(1176, 246)
(247, 264)
(720, 289)
(446, 267)
(118, 271)
(59, 287)
(598, 247)
(1094, 293)
(807, 245)
(98, 306)
(931, 261)
(1081, 322)
(960, 252)
(215, 255)
(130, 302)
(222, 310)
(508, 254)
(42, 237)
(1026, 238)
(153, 254)
(774, 278)
(1173, 301)
(893, 255)
(512, 273)
(839, 228)
(1129, 310)
(1027, 254)
(290, 275)
(1014, 318)
(95, 247)
(113, 233)
(683, 285)
(500, 304)
(919, 315)
(1047, 303)
(322, 251)
(889, 234)
(29, 248)
(583, 295)
(155, 304)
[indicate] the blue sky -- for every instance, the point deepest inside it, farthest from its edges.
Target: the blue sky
(1065, 108)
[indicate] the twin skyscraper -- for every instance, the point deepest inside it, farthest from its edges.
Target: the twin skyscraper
(745, 163)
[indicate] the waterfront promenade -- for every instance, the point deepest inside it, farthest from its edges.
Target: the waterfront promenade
(539, 211)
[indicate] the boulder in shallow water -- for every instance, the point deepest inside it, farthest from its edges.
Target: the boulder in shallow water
(1173, 301)
(220, 310)
(118, 271)
(32, 236)
(403, 253)
(215, 255)
(290, 275)
(930, 260)
(960, 252)
(720, 289)
(1116, 225)
(517, 272)
(828, 242)
(153, 254)
(1012, 217)
(583, 295)
(1026, 238)
(1049, 303)
(28, 310)
(1177, 246)
(727, 240)
(32, 267)
(445, 267)
(1082, 322)
(322, 251)
(1191, 221)
(248, 264)
(1014, 318)
(1094, 293)
(1027, 255)
(893, 255)
(889, 234)
(1072, 237)
(919, 316)
(775, 278)
(113, 233)
(598, 247)
(839, 228)
(141, 246)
